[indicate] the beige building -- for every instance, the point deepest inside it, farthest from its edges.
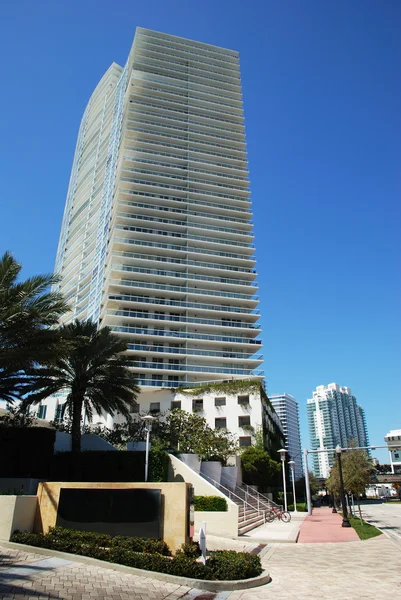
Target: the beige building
(156, 240)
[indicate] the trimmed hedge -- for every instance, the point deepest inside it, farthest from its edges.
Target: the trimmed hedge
(29, 451)
(210, 503)
(135, 544)
(107, 465)
(301, 507)
(220, 566)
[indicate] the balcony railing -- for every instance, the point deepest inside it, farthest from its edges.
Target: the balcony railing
(187, 236)
(194, 352)
(183, 289)
(179, 261)
(182, 303)
(197, 369)
(187, 276)
(183, 248)
(179, 318)
(185, 335)
(185, 223)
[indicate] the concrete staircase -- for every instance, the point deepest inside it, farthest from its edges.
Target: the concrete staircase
(252, 506)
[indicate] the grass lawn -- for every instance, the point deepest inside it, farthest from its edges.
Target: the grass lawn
(364, 529)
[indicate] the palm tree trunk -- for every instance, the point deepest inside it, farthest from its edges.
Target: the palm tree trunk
(77, 405)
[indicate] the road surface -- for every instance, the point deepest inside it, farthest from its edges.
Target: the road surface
(386, 516)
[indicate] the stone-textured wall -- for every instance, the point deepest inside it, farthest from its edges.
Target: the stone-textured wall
(174, 516)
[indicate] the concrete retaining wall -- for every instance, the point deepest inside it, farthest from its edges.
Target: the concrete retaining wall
(16, 512)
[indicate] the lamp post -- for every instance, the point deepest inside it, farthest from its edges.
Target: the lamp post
(345, 523)
(282, 453)
(148, 427)
(292, 467)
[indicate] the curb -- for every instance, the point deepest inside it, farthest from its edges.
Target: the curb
(200, 584)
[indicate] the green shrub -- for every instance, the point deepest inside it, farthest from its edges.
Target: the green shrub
(228, 564)
(210, 503)
(158, 464)
(301, 507)
(135, 544)
(220, 566)
(191, 550)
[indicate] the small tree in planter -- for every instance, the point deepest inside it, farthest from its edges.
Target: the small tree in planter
(259, 468)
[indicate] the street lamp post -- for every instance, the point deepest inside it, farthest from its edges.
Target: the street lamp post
(345, 523)
(148, 427)
(292, 467)
(282, 453)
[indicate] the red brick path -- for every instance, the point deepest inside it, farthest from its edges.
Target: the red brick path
(324, 526)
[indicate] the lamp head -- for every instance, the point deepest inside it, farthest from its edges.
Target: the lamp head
(291, 462)
(148, 421)
(282, 453)
(338, 449)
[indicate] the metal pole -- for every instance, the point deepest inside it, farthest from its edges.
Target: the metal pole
(284, 485)
(345, 522)
(307, 484)
(147, 454)
(293, 488)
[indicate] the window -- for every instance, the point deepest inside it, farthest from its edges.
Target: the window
(176, 404)
(154, 407)
(197, 404)
(245, 441)
(58, 417)
(243, 399)
(243, 421)
(42, 412)
(220, 401)
(134, 408)
(220, 423)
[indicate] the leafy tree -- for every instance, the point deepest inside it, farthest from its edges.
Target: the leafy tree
(357, 471)
(94, 374)
(259, 468)
(28, 310)
(14, 418)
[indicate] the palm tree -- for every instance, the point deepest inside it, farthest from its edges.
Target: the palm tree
(94, 374)
(28, 310)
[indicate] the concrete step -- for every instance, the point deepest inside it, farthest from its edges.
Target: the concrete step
(255, 523)
(248, 516)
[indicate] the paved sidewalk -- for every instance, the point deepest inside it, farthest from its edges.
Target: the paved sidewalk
(364, 570)
(33, 576)
(325, 526)
(277, 531)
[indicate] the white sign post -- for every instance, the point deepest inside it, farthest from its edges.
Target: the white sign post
(202, 541)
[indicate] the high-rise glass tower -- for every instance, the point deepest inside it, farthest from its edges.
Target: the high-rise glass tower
(156, 240)
(334, 417)
(286, 408)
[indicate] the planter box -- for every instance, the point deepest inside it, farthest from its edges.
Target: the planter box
(16, 512)
(192, 461)
(212, 470)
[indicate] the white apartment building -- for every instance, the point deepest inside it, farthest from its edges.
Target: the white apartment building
(287, 410)
(393, 441)
(156, 240)
(334, 417)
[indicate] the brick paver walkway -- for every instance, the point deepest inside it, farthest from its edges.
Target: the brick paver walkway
(26, 575)
(324, 526)
(361, 571)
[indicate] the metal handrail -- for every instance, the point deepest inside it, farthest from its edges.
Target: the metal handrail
(259, 497)
(227, 491)
(259, 508)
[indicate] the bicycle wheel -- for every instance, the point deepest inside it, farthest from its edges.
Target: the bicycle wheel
(270, 517)
(286, 517)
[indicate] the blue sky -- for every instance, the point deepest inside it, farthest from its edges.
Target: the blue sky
(322, 93)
